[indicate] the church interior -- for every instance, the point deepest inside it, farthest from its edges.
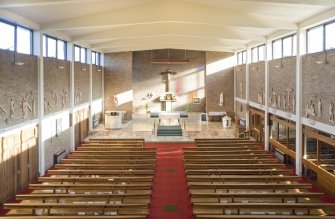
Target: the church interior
(167, 109)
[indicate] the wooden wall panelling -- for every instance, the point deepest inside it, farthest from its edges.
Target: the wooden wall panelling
(33, 155)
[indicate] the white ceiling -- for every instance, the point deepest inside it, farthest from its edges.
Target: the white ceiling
(128, 25)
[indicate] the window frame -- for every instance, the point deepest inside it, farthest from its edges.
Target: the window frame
(80, 58)
(281, 39)
(15, 36)
(257, 48)
(323, 36)
(97, 60)
(56, 39)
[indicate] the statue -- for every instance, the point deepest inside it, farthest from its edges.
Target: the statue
(259, 97)
(11, 109)
(293, 103)
(241, 89)
(319, 108)
(331, 112)
(274, 98)
(65, 98)
(278, 101)
(25, 106)
(284, 102)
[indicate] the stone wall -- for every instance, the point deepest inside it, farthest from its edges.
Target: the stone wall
(240, 81)
(318, 86)
(119, 82)
(219, 79)
(282, 82)
(189, 81)
(56, 85)
(18, 89)
(257, 82)
(81, 83)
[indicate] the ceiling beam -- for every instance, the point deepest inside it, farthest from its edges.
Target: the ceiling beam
(295, 2)
(167, 39)
(17, 19)
(171, 11)
(29, 3)
(146, 30)
(167, 46)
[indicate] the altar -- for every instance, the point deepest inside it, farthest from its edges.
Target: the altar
(169, 124)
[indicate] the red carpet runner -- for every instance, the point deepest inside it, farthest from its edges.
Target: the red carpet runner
(170, 196)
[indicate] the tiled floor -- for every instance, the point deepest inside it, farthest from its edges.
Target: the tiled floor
(141, 126)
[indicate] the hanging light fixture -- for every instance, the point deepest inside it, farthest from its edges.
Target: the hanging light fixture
(168, 60)
(98, 69)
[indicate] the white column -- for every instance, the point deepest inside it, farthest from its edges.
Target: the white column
(267, 49)
(103, 84)
(298, 93)
(38, 50)
(90, 87)
(235, 64)
(247, 86)
(70, 55)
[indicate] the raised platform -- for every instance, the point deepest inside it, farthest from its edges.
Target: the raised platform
(169, 131)
(183, 114)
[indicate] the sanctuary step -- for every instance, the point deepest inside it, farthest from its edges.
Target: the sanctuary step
(169, 131)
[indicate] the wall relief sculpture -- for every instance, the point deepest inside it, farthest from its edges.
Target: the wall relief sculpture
(319, 108)
(331, 112)
(65, 98)
(25, 105)
(241, 89)
(78, 95)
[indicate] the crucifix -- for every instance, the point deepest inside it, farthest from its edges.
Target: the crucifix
(168, 74)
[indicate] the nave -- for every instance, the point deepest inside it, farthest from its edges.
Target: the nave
(213, 178)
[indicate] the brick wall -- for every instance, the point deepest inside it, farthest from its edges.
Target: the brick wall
(118, 81)
(222, 80)
(81, 83)
(240, 81)
(56, 85)
(318, 84)
(18, 89)
(257, 82)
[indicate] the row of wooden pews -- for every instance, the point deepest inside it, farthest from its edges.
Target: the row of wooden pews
(101, 179)
(235, 178)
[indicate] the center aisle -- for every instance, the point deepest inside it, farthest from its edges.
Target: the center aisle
(170, 196)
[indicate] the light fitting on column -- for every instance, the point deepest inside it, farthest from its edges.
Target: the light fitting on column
(281, 64)
(82, 68)
(15, 62)
(324, 61)
(59, 66)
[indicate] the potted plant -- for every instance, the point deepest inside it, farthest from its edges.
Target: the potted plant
(146, 106)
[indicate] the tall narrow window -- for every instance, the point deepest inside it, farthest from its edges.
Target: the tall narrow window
(23, 40)
(244, 57)
(315, 39)
(261, 53)
(277, 49)
(15, 38)
(61, 49)
(330, 36)
(83, 55)
(288, 46)
(51, 47)
(76, 53)
(7, 36)
(94, 58)
(254, 54)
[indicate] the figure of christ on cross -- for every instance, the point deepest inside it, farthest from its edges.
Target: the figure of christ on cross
(168, 74)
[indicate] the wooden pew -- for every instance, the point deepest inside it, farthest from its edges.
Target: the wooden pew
(102, 172)
(108, 161)
(238, 172)
(110, 157)
(73, 209)
(207, 197)
(78, 217)
(108, 148)
(196, 186)
(72, 179)
(107, 198)
(214, 208)
(244, 216)
(207, 152)
(227, 149)
(222, 156)
(152, 153)
(243, 178)
(198, 140)
(233, 166)
(233, 160)
(105, 166)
